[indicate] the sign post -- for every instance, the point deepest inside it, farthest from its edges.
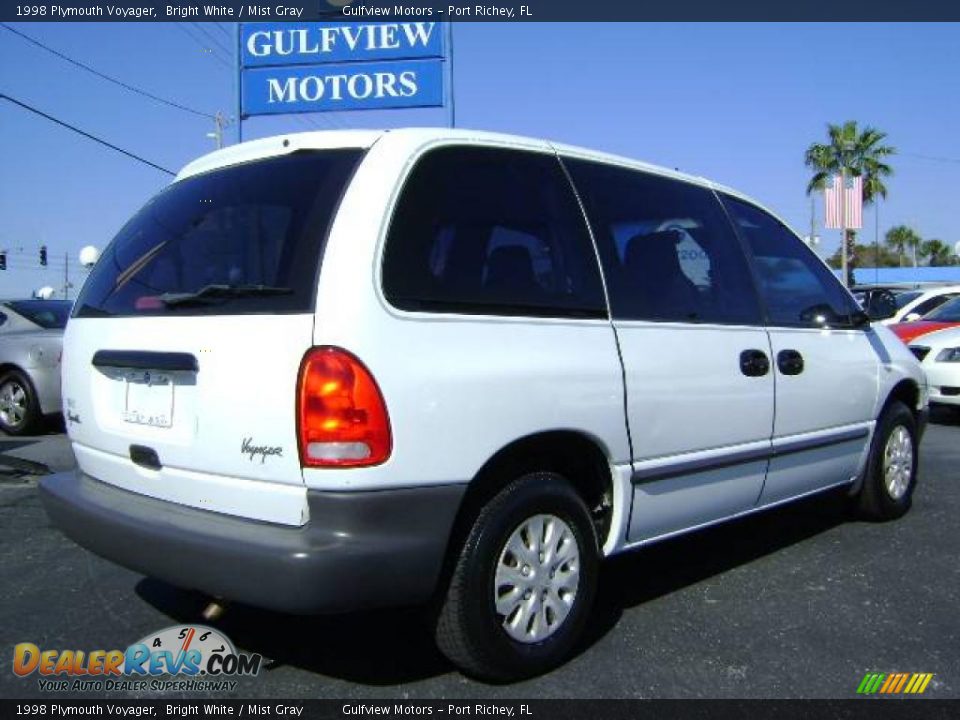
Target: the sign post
(239, 54)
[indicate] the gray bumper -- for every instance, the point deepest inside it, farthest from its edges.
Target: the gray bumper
(359, 550)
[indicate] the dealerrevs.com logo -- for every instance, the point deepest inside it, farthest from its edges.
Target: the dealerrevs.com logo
(201, 658)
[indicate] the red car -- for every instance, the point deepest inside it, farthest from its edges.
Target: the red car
(945, 316)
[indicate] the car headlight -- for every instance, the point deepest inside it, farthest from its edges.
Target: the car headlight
(949, 355)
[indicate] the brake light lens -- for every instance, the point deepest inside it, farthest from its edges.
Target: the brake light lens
(342, 417)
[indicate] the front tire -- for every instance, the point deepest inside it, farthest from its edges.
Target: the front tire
(19, 407)
(523, 585)
(891, 473)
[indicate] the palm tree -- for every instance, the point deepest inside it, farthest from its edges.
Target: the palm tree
(861, 153)
(900, 238)
(937, 252)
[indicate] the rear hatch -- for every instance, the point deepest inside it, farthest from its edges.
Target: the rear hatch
(181, 358)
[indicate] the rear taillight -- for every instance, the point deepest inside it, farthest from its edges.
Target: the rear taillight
(342, 417)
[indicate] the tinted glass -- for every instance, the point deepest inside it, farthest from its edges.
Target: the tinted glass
(904, 298)
(252, 232)
(491, 231)
(797, 288)
(947, 312)
(878, 304)
(929, 306)
(48, 314)
(667, 248)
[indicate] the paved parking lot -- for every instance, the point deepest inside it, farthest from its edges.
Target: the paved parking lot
(797, 602)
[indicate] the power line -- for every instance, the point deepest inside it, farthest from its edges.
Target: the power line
(210, 36)
(108, 78)
(186, 30)
(934, 158)
(85, 134)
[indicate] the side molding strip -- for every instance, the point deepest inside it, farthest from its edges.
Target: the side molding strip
(742, 457)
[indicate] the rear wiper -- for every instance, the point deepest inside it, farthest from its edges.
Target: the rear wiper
(214, 293)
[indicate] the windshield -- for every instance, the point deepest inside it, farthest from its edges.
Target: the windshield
(948, 312)
(250, 228)
(48, 314)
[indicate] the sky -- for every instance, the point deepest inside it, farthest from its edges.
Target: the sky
(737, 103)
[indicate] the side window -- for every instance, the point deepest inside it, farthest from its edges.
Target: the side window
(932, 304)
(491, 231)
(668, 251)
(798, 289)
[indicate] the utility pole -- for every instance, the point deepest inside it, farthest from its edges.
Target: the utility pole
(219, 123)
(66, 274)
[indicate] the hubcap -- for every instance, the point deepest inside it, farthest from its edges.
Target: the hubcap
(537, 578)
(13, 403)
(898, 462)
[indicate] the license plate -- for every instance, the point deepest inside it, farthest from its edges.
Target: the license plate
(149, 399)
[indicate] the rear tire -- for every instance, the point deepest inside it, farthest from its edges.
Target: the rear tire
(516, 603)
(19, 408)
(891, 472)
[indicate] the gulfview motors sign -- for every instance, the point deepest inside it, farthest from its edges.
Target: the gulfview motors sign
(310, 67)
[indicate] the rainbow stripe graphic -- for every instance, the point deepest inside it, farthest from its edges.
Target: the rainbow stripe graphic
(894, 683)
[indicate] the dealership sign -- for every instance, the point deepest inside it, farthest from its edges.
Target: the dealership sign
(310, 67)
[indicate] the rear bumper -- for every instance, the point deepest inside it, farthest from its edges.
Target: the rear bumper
(359, 550)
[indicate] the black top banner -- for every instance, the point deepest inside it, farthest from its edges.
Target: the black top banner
(489, 11)
(497, 709)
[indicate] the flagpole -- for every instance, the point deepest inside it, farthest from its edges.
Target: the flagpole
(876, 242)
(843, 223)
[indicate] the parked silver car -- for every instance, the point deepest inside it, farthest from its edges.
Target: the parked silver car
(31, 338)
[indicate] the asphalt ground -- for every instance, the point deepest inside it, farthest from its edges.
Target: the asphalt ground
(798, 602)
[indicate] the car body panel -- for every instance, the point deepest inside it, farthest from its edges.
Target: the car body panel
(36, 352)
(202, 453)
(910, 330)
(942, 377)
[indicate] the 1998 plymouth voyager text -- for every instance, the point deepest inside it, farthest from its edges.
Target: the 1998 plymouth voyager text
(239, 12)
(182, 709)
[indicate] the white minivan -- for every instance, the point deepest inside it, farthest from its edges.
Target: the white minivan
(330, 371)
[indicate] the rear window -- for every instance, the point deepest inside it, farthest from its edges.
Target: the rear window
(244, 239)
(48, 314)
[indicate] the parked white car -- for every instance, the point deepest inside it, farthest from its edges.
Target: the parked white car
(331, 371)
(939, 353)
(914, 304)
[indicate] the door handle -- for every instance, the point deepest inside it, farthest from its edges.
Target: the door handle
(790, 362)
(754, 363)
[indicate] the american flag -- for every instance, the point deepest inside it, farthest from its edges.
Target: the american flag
(853, 201)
